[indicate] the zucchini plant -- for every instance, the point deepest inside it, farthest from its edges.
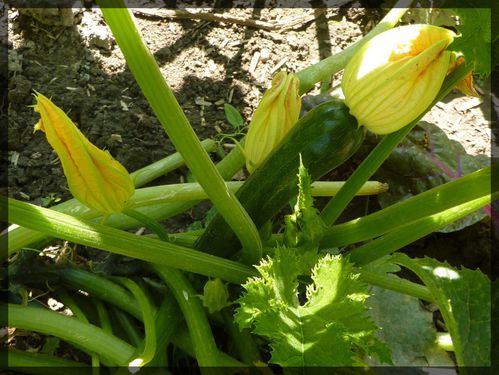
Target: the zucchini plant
(242, 291)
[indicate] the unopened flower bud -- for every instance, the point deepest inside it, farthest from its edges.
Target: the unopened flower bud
(275, 115)
(94, 177)
(466, 84)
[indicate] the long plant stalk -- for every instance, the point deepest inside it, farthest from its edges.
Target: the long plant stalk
(193, 191)
(167, 319)
(109, 239)
(129, 328)
(107, 290)
(324, 69)
(18, 358)
(407, 234)
(99, 287)
(88, 336)
(78, 313)
(437, 199)
(397, 284)
(206, 351)
(370, 165)
(148, 312)
(161, 167)
(171, 116)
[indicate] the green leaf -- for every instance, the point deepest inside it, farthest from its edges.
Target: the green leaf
(233, 116)
(463, 297)
(407, 329)
(331, 328)
(425, 159)
(475, 36)
(304, 228)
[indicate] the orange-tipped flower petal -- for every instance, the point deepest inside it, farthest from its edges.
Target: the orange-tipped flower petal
(94, 177)
(396, 75)
(276, 114)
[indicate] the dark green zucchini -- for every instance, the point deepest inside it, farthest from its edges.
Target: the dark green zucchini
(326, 136)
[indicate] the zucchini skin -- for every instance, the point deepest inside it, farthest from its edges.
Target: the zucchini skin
(326, 136)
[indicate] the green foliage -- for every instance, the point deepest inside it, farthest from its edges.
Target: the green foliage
(406, 328)
(233, 116)
(475, 40)
(304, 227)
(463, 297)
(331, 328)
(316, 320)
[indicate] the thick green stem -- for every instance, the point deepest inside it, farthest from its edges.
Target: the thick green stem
(370, 165)
(99, 287)
(206, 351)
(193, 192)
(409, 233)
(129, 327)
(148, 312)
(167, 318)
(171, 116)
(161, 167)
(439, 198)
(105, 321)
(149, 222)
(18, 358)
(397, 285)
(324, 69)
(109, 239)
(78, 313)
(87, 336)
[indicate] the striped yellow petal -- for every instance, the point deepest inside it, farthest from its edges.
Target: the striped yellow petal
(94, 177)
(396, 75)
(275, 115)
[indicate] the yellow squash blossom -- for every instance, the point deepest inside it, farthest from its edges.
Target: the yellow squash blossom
(276, 114)
(396, 75)
(94, 177)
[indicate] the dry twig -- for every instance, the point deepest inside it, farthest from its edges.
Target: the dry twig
(286, 23)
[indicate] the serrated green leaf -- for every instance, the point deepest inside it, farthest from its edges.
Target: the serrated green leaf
(304, 228)
(407, 329)
(330, 329)
(475, 40)
(463, 297)
(233, 116)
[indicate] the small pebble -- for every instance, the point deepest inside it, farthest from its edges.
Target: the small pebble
(264, 54)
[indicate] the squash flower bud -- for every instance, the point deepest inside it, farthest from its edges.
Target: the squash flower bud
(94, 177)
(396, 75)
(275, 115)
(466, 84)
